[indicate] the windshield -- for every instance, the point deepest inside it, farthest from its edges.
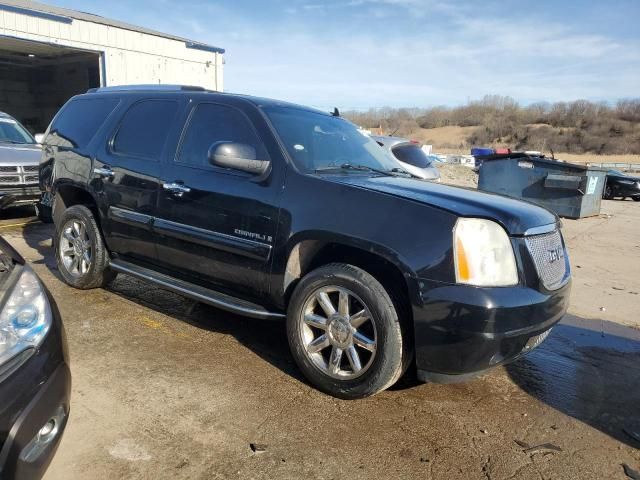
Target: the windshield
(616, 172)
(412, 154)
(317, 142)
(12, 132)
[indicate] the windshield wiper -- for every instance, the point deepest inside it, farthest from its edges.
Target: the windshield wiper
(404, 172)
(348, 166)
(394, 172)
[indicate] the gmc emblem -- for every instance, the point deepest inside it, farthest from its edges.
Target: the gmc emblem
(555, 254)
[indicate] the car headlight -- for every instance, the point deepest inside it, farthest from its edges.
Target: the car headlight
(25, 318)
(483, 254)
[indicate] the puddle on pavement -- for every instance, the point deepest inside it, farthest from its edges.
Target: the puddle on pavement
(589, 370)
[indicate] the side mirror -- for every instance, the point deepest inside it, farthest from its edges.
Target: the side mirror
(39, 137)
(238, 156)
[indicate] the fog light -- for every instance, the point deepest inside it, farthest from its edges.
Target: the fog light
(45, 436)
(48, 428)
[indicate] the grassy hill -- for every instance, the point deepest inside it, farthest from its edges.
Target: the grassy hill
(579, 127)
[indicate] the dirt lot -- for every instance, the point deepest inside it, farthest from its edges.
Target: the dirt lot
(165, 388)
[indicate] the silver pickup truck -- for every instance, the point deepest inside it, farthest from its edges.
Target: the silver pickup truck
(19, 162)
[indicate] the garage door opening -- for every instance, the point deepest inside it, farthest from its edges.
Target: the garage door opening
(36, 79)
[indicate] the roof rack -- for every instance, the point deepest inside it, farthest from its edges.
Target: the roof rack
(152, 87)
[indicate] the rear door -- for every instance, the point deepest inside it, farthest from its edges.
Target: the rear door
(126, 172)
(217, 227)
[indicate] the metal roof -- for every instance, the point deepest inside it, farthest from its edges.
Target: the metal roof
(64, 15)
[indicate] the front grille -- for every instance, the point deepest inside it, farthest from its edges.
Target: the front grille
(549, 255)
(19, 175)
(10, 179)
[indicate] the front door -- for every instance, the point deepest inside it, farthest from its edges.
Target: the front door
(215, 225)
(126, 174)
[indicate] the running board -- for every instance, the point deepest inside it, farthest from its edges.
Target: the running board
(195, 292)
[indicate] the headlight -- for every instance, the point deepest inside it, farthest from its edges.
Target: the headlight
(483, 254)
(25, 318)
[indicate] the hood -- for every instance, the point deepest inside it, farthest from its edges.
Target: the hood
(516, 216)
(11, 154)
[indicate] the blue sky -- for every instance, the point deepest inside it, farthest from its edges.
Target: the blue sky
(406, 53)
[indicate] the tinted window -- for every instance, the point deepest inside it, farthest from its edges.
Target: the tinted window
(216, 123)
(144, 128)
(412, 154)
(79, 121)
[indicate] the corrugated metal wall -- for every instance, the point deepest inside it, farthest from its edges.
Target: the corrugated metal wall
(129, 56)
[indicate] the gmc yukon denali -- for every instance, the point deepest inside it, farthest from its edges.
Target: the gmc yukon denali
(277, 211)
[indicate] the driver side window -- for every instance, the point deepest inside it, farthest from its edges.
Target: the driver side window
(210, 123)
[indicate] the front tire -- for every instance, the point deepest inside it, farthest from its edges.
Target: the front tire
(82, 258)
(608, 193)
(344, 332)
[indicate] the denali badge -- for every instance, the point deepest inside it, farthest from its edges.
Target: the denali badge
(555, 254)
(253, 235)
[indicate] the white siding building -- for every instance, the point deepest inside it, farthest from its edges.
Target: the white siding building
(48, 54)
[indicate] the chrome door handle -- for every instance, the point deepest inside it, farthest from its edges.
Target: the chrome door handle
(176, 188)
(103, 172)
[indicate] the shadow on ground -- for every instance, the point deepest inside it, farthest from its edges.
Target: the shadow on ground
(589, 370)
(20, 212)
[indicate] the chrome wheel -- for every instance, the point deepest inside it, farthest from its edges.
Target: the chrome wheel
(338, 332)
(76, 251)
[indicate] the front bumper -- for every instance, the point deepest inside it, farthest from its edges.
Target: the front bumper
(20, 194)
(461, 331)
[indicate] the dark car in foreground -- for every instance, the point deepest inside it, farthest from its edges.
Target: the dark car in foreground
(34, 371)
(19, 163)
(621, 185)
(273, 211)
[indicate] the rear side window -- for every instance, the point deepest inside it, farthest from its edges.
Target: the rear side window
(211, 123)
(412, 154)
(144, 128)
(79, 120)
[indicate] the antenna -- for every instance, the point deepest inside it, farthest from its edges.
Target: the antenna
(336, 112)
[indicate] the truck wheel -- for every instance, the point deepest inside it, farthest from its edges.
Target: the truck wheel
(344, 332)
(83, 260)
(608, 193)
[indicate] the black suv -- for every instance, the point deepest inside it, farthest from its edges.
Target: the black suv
(274, 210)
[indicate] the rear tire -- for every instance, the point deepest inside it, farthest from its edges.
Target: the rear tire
(636, 199)
(608, 193)
(344, 332)
(82, 258)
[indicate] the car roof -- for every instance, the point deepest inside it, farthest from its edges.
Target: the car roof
(6, 115)
(138, 90)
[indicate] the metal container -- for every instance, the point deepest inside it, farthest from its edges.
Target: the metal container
(570, 190)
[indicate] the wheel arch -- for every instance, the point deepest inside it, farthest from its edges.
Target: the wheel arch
(69, 194)
(310, 253)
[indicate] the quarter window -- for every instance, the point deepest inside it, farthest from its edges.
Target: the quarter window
(79, 121)
(144, 128)
(212, 123)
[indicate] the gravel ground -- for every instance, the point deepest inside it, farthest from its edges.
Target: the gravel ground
(166, 388)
